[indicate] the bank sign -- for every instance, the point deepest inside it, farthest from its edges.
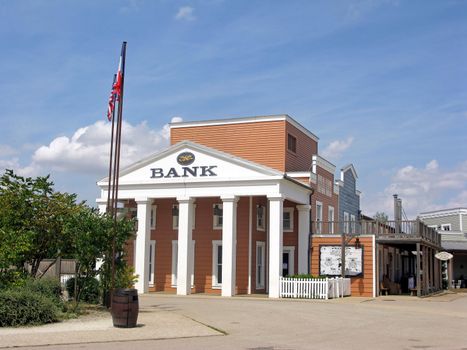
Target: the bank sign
(185, 168)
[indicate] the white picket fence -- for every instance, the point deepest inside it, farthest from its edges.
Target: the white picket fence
(308, 288)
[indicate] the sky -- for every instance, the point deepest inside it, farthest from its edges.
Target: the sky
(381, 82)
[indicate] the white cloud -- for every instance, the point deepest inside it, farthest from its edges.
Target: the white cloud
(423, 189)
(336, 148)
(87, 150)
(185, 13)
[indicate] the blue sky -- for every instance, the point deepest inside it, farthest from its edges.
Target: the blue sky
(382, 83)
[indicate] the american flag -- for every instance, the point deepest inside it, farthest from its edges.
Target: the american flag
(116, 91)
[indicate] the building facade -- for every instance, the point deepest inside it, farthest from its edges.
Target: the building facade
(226, 209)
(452, 225)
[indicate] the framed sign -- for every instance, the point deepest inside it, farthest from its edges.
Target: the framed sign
(330, 260)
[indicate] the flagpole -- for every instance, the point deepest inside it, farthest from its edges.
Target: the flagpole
(108, 208)
(118, 137)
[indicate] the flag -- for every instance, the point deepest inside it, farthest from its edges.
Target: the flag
(116, 90)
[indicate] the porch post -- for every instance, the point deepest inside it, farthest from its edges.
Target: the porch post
(229, 243)
(142, 244)
(275, 243)
(184, 268)
(303, 237)
(417, 271)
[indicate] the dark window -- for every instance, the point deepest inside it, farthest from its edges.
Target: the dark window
(291, 143)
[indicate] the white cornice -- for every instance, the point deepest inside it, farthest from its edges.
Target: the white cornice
(243, 120)
(298, 174)
(444, 212)
(323, 163)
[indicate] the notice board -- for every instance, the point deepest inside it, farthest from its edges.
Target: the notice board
(330, 260)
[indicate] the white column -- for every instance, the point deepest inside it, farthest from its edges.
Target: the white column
(275, 243)
(303, 237)
(142, 244)
(229, 242)
(102, 205)
(184, 268)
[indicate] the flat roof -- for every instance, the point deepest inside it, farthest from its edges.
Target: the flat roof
(241, 120)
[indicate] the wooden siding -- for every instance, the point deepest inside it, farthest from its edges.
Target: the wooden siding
(306, 147)
(260, 142)
(361, 286)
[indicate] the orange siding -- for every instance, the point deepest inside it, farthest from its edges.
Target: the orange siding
(362, 285)
(306, 147)
(260, 142)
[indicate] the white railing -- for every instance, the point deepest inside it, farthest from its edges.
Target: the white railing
(310, 288)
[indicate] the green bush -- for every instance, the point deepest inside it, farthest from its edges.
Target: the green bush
(88, 289)
(20, 307)
(46, 286)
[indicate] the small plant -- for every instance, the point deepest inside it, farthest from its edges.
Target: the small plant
(307, 276)
(126, 277)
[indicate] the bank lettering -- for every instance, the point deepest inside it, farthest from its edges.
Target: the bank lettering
(194, 171)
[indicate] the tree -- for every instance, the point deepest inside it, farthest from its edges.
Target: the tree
(381, 217)
(32, 220)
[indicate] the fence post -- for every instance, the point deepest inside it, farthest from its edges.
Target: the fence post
(327, 289)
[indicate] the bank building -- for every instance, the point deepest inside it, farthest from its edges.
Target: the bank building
(234, 204)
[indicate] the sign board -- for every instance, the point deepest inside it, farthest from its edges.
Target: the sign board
(443, 256)
(330, 260)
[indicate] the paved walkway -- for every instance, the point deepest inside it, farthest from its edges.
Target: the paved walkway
(389, 322)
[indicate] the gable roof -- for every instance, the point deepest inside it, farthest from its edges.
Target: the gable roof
(346, 168)
(264, 170)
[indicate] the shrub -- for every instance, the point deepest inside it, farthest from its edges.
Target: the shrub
(24, 307)
(306, 276)
(47, 286)
(88, 289)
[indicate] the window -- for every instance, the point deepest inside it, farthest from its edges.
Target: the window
(216, 264)
(260, 249)
(175, 216)
(446, 227)
(153, 217)
(292, 143)
(217, 216)
(331, 219)
(319, 217)
(352, 223)
(287, 221)
(324, 186)
(175, 263)
(346, 222)
(152, 261)
(260, 217)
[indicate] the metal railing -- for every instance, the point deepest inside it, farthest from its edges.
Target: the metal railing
(388, 229)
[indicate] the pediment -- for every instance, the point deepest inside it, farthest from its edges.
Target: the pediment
(188, 161)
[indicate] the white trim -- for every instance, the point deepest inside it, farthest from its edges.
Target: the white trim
(243, 120)
(152, 261)
(373, 242)
(291, 211)
(319, 220)
(351, 168)
(291, 251)
(331, 219)
(250, 235)
(323, 164)
(441, 213)
(346, 227)
(260, 284)
(175, 263)
(298, 174)
(215, 246)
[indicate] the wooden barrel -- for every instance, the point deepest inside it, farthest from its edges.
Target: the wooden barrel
(125, 308)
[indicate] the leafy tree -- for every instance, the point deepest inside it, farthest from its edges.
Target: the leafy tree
(32, 221)
(381, 216)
